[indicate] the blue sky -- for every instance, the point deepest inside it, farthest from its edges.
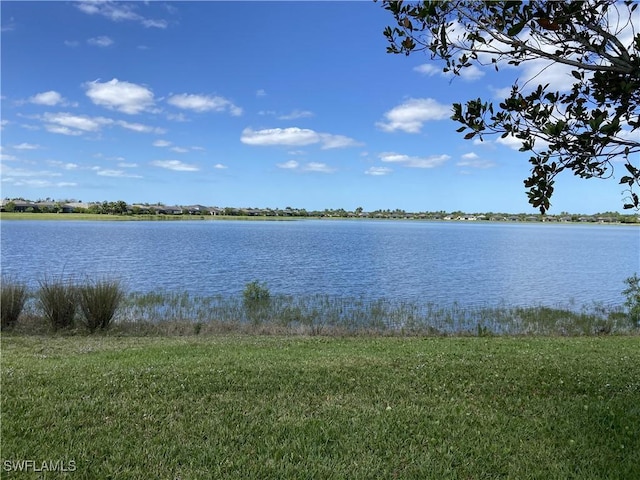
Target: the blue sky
(250, 104)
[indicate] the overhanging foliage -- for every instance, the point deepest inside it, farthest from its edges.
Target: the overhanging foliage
(586, 128)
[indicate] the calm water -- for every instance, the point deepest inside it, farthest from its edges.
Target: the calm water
(471, 263)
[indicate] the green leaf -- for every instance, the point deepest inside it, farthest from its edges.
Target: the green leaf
(516, 29)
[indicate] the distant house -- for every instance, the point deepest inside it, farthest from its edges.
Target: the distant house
(198, 210)
(19, 206)
(74, 206)
(171, 210)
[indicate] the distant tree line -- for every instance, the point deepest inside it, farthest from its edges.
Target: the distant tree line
(120, 207)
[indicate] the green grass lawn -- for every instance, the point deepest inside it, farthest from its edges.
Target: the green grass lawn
(300, 407)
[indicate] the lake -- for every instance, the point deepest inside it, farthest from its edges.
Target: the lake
(474, 264)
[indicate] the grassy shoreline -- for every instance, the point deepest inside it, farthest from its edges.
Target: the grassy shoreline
(132, 218)
(301, 407)
(170, 314)
(11, 216)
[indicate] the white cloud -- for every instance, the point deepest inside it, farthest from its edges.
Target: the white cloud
(427, 69)
(501, 93)
(627, 134)
(219, 166)
(295, 114)
(414, 162)
(37, 183)
(71, 43)
(540, 72)
(50, 98)
(482, 164)
(479, 141)
(26, 146)
(122, 96)
(166, 143)
(8, 27)
(469, 73)
(515, 143)
(318, 167)
(115, 173)
(510, 141)
(150, 23)
(64, 166)
(102, 41)
(470, 156)
(204, 103)
(127, 165)
(8, 171)
(378, 171)
(176, 165)
(62, 130)
(117, 12)
(177, 117)
(261, 93)
(337, 141)
(289, 165)
(69, 124)
(294, 136)
(138, 127)
(412, 114)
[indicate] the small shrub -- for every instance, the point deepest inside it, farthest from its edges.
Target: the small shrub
(256, 299)
(99, 301)
(256, 294)
(58, 302)
(13, 298)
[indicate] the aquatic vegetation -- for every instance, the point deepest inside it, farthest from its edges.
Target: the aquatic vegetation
(106, 303)
(99, 301)
(58, 299)
(12, 301)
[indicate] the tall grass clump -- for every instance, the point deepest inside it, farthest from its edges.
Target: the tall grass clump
(632, 302)
(99, 301)
(12, 300)
(57, 299)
